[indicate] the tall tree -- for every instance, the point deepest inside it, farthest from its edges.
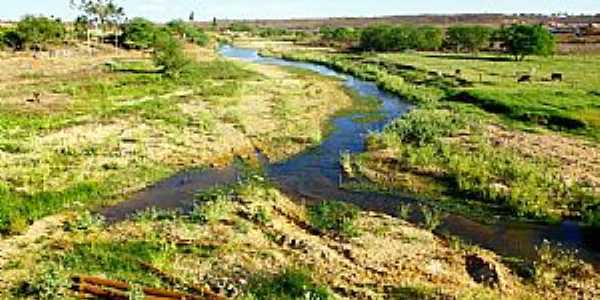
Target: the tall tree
(523, 40)
(104, 12)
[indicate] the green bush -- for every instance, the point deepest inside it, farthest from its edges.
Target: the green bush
(35, 33)
(425, 126)
(291, 284)
(334, 216)
(168, 55)
(139, 33)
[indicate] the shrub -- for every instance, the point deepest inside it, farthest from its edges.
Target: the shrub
(432, 218)
(139, 33)
(468, 38)
(37, 32)
(426, 126)
(334, 216)
(556, 265)
(291, 284)
(50, 283)
(168, 55)
(523, 40)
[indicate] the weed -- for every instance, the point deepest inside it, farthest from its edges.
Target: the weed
(51, 283)
(334, 216)
(404, 211)
(83, 222)
(555, 264)
(213, 211)
(417, 292)
(291, 284)
(432, 218)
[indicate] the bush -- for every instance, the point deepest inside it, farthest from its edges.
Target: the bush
(139, 33)
(168, 55)
(425, 126)
(340, 34)
(37, 32)
(468, 38)
(292, 284)
(334, 216)
(523, 40)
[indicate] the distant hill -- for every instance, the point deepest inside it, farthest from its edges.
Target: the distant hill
(438, 20)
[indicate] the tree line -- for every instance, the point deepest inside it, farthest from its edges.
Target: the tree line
(517, 40)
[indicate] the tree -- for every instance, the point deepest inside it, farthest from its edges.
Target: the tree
(168, 54)
(523, 40)
(469, 38)
(37, 32)
(139, 33)
(81, 26)
(188, 32)
(394, 38)
(192, 17)
(105, 12)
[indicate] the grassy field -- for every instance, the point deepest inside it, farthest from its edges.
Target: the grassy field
(108, 125)
(477, 134)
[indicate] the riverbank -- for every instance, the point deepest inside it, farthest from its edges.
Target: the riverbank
(245, 240)
(477, 135)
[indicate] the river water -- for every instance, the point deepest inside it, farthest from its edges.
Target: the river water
(314, 175)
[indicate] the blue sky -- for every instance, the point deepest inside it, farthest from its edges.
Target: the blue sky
(162, 10)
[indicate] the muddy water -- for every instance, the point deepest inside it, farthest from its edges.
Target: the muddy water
(315, 176)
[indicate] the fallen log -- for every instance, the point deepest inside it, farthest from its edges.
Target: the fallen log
(120, 285)
(204, 291)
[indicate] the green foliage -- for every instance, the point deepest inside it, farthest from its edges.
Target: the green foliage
(425, 126)
(80, 27)
(168, 55)
(272, 32)
(334, 216)
(104, 11)
(340, 34)
(468, 38)
(119, 259)
(523, 40)
(240, 27)
(432, 218)
(139, 33)
(188, 32)
(51, 283)
(555, 265)
(291, 284)
(394, 38)
(19, 209)
(36, 33)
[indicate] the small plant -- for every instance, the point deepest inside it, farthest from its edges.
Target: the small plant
(334, 216)
(432, 218)
(213, 211)
(404, 211)
(136, 292)
(262, 216)
(554, 265)
(291, 284)
(50, 284)
(84, 221)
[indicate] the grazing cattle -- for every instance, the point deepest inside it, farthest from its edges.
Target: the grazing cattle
(524, 78)
(557, 77)
(457, 72)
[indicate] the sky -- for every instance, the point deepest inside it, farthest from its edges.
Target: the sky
(164, 10)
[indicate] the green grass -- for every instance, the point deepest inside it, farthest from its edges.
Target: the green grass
(132, 91)
(291, 284)
(334, 216)
(571, 105)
